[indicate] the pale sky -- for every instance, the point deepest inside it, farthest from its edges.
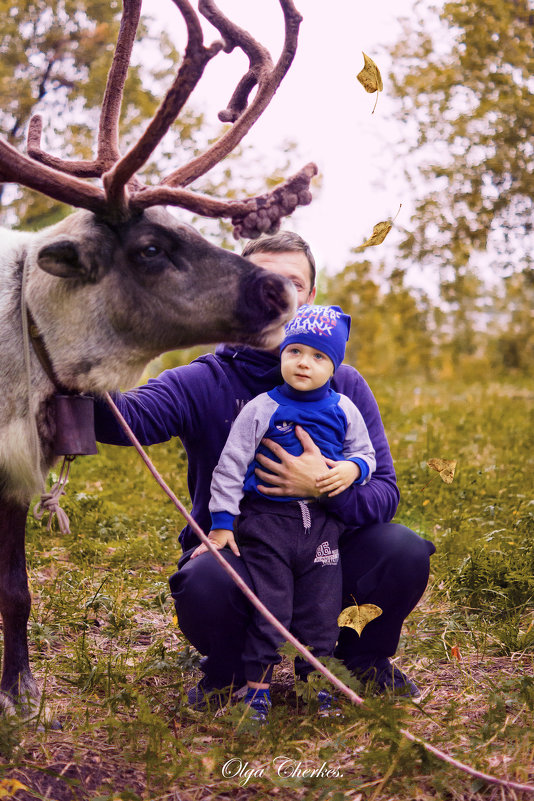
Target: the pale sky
(322, 107)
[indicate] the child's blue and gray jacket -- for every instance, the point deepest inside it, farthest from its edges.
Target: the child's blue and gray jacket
(332, 420)
(198, 403)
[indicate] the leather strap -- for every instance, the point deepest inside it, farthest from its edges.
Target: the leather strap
(42, 354)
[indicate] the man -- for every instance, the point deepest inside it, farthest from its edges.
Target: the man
(382, 562)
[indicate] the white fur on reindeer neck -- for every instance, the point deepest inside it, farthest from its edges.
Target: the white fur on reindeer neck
(35, 453)
(74, 429)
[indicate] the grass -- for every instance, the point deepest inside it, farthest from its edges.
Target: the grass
(115, 667)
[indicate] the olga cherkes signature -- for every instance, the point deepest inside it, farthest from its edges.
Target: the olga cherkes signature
(282, 766)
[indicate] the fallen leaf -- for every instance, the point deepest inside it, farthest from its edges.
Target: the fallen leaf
(8, 787)
(455, 652)
(357, 617)
(380, 231)
(370, 77)
(445, 467)
(208, 763)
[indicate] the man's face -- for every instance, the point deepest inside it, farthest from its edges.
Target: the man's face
(292, 265)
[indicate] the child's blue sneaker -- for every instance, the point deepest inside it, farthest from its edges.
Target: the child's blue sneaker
(260, 704)
(327, 707)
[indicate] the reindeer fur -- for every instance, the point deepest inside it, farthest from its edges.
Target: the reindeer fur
(106, 299)
(113, 286)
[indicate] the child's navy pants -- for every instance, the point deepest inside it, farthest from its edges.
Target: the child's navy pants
(291, 551)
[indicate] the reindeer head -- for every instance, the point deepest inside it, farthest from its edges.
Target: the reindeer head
(109, 296)
(118, 283)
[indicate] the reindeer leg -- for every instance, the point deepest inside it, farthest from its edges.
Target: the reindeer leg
(18, 689)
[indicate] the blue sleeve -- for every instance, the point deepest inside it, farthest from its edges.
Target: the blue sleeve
(222, 520)
(364, 469)
(376, 501)
(162, 408)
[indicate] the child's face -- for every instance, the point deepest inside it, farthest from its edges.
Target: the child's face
(305, 368)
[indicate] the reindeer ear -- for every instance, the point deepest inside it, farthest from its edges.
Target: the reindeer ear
(63, 260)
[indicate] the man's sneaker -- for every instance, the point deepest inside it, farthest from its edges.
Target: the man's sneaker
(382, 677)
(259, 702)
(398, 683)
(205, 696)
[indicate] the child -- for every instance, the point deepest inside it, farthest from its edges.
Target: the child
(290, 545)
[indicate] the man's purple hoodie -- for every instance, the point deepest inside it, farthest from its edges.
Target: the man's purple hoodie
(199, 402)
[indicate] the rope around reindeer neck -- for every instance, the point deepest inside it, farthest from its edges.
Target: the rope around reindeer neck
(351, 695)
(49, 501)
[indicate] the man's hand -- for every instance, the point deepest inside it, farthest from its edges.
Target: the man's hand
(339, 478)
(293, 475)
(219, 537)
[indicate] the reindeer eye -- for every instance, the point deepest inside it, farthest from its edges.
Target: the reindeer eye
(150, 252)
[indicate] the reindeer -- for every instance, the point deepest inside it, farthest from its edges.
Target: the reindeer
(98, 295)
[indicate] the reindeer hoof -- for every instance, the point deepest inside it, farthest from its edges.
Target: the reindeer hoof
(6, 704)
(29, 709)
(52, 725)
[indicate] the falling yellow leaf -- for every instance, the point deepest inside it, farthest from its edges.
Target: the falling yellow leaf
(445, 467)
(357, 617)
(8, 787)
(370, 77)
(380, 231)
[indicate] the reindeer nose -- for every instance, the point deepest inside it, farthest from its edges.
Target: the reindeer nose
(275, 294)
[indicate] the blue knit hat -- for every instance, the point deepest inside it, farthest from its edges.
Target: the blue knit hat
(325, 328)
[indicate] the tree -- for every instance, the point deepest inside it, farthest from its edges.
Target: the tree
(54, 59)
(511, 345)
(390, 331)
(466, 86)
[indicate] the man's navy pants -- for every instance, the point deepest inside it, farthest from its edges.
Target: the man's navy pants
(385, 564)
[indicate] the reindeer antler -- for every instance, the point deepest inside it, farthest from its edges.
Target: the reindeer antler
(250, 217)
(195, 59)
(108, 132)
(260, 73)
(122, 192)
